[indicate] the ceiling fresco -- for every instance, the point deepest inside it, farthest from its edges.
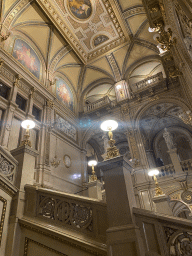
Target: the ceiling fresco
(86, 43)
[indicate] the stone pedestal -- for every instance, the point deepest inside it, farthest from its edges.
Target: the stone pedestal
(94, 189)
(26, 157)
(123, 236)
(162, 204)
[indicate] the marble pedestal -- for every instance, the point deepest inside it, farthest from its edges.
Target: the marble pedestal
(123, 236)
(162, 204)
(26, 158)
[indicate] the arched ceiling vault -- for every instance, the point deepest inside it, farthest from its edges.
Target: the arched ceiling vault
(85, 43)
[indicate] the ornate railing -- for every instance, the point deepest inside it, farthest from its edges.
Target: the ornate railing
(97, 104)
(186, 165)
(74, 212)
(8, 165)
(166, 170)
(147, 82)
(164, 235)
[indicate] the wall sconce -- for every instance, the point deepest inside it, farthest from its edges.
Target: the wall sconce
(154, 173)
(110, 125)
(164, 37)
(93, 163)
(120, 89)
(27, 124)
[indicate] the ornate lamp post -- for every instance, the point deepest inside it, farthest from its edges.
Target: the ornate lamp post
(154, 173)
(93, 163)
(27, 124)
(110, 125)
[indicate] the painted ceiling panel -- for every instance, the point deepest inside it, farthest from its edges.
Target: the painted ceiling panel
(40, 35)
(72, 73)
(57, 43)
(136, 21)
(31, 14)
(125, 4)
(138, 52)
(91, 76)
(120, 55)
(104, 64)
(69, 58)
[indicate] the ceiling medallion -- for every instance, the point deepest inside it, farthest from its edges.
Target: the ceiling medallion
(80, 9)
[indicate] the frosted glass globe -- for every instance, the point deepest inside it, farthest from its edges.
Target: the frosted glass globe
(92, 163)
(28, 124)
(153, 172)
(109, 125)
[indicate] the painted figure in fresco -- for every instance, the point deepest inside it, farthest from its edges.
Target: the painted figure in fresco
(81, 9)
(27, 57)
(64, 94)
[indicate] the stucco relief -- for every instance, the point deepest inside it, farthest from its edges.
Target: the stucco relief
(65, 127)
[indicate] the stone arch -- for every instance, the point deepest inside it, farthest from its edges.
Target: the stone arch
(178, 207)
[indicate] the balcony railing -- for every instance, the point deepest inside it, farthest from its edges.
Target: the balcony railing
(147, 82)
(97, 104)
(186, 165)
(8, 165)
(72, 212)
(166, 170)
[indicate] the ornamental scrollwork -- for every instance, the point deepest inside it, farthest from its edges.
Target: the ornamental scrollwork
(181, 245)
(6, 168)
(74, 215)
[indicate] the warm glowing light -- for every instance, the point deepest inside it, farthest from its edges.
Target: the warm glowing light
(153, 172)
(109, 125)
(28, 124)
(118, 86)
(92, 163)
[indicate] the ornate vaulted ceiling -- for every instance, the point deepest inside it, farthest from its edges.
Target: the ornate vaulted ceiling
(86, 42)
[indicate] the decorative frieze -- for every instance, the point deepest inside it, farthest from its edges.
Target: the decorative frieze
(7, 169)
(65, 127)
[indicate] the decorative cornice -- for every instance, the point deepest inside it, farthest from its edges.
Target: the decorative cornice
(24, 149)
(6, 186)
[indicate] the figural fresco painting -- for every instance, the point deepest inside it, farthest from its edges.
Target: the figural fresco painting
(81, 9)
(64, 93)
(27, 57)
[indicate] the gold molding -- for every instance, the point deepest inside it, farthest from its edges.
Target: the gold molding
(57, 238)
(2, 216)
(27, 240)
(49, 8)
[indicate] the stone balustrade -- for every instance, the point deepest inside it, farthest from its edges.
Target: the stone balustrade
(164, 235)
(8, 165)
(166, 170)
(97, 104)
(186, 165)
(147, 82)
(77, 213)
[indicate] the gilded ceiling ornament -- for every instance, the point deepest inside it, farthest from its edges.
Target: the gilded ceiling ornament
(80, 9)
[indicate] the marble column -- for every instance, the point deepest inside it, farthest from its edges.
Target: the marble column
(150, 158)
(123, 236)
(172, 150)
(106, 145)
